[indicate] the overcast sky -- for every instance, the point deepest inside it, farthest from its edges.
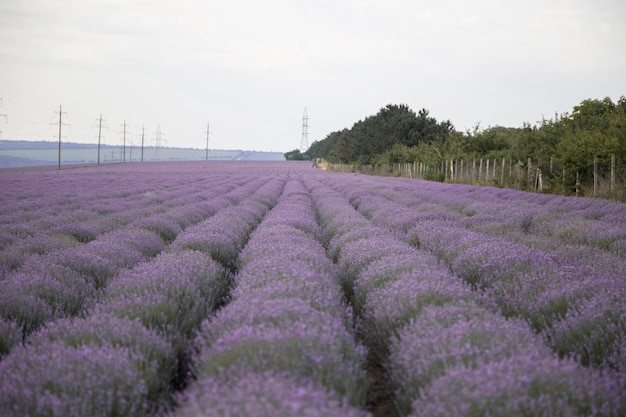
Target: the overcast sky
(249, 68)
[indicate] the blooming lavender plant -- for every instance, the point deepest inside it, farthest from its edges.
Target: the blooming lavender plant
(173, 293)
(456, 334)
(153, 357)
(27, 311)
(57, 380)
(521, 385)
(284, 335)
(264, 394)
(10, 335)
(594, 331)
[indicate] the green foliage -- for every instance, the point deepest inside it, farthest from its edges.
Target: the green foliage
(392, 126)
(295, 155)
(396, 134)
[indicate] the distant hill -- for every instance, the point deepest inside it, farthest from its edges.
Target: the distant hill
(20, 153)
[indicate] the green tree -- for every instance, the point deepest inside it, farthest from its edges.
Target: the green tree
(295, 155)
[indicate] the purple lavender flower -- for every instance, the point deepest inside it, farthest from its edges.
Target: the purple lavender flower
(153, 356)
(594, 331)
(10, 335)
(444, 337)
(173, 293)
(264, 394)
(54, 379)
(27, 311)
(521, 385)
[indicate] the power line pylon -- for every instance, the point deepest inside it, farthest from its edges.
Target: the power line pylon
(304, 142)
(158, 141)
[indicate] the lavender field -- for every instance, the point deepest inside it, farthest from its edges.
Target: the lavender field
(277, 289)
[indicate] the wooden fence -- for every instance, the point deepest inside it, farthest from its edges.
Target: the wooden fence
(609, 178)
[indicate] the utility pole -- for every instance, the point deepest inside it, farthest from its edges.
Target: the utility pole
(143, 130)
(304, 142)
(60, 124)
(99, 136)
(124, 143)
(207, 142)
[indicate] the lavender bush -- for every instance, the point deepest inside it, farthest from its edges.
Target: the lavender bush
(172, 294)
(521, 385)
(449, 336)
(152, 356)
(57, 380)
(264, 394)
(10, 335)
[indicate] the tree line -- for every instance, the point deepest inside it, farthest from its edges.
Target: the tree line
(594, 130)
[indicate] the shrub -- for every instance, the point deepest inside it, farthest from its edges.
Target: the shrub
(57, 380)
(265, 394)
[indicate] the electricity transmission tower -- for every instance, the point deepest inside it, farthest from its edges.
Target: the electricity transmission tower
(304, 142)
(158, 141)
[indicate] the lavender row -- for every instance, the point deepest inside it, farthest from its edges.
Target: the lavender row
(167, 298)
(95, 212)
(444, 354)
(577, 304)
(65, 282)
(224, 235)
(283, 345)
(127, 356)
(547, 221)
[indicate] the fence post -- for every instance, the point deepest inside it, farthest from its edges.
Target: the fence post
(451, 170)
(487, 171)
(595, 175)
(551, 164)
(612, 186)
(462, 170)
